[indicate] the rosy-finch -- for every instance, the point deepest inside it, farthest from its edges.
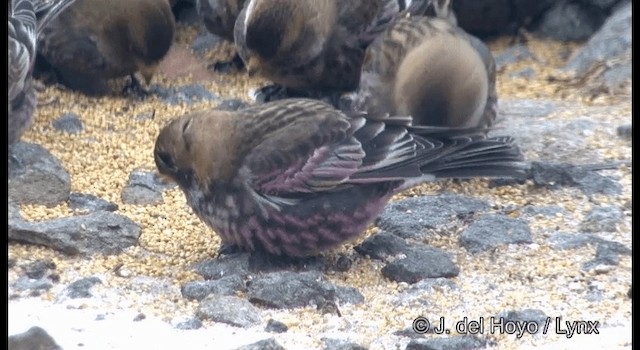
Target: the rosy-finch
(311, 46)
(432, 70)
(24, 28)
(297, 177)
(97, 40)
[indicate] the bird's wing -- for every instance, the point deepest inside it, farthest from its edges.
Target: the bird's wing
(305, 148)
(22, 44)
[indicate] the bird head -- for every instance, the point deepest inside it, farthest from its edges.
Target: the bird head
(198, 149)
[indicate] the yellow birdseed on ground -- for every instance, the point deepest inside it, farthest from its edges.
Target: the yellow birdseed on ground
(114, 143)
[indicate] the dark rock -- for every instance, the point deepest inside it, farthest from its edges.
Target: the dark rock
(382, 245)
(39, 268)
(228, 309)
(483, 18)
(409, 332)
(564, 241)
(590, 182)
(139, 317)
(187, 323)
(491, 231)
(607, 253)
(187, 94)
(274, 326)
(421, 262)
(602, 219)
(612, 43)
(341, 344)
(266, 344)
(97, 232)
(547, 210)
(349, 295)
(89, 202)
(26, 283)
(144, 188)
(199, 290)
(145, 116)
(525, 316)
(343, 264)
(409, 218)
(462, 342)
(512, 55)
(36, 176)
(205, 41)
(68, 122)
(11, 263)
(284, 290)
(569, 21)
(35, 338)
(231, 105)
(81, 288)
(625, 131)
(212, 269)
(261, 261)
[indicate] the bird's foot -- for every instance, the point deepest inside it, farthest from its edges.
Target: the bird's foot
(134, 88)
(270, 93)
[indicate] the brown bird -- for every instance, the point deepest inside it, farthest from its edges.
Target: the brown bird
(432, 70)
(310, 45)
(297, 177)
(97, 40)
(26, 20)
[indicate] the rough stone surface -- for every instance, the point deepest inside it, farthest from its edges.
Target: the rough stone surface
(409, 218)
(602, 219)
(382, 245)
(569, 21)
(525, 316)
(590, 182)
(341, 344)
(36, 176)
(212, 269)
(421, 262)
(97, 232)
(35, 338)
(612, 43)
(144, 188)
(463, 342)
(199, 290)
(187, 323)
(266, 344)
(89, 202)
(491, 231)
(228, 309)
(282, 290)
(82, 287)
(274, 326)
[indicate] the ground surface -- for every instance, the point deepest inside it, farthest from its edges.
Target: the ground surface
(114, 142)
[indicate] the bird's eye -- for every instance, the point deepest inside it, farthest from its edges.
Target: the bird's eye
(164, 160)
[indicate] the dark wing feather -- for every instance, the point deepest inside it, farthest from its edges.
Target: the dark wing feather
(304, 147)
(22, 45)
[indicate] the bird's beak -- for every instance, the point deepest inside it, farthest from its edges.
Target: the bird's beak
(147, 72)
(253, 66)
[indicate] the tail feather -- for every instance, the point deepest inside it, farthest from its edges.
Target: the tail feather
(489, 157)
